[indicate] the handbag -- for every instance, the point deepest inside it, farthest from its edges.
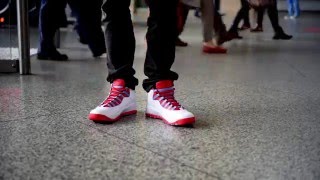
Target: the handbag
(261, 3)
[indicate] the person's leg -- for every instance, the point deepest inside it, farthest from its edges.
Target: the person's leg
(89, 24)
(260, 14)
(260, 17)
(246, 21)
(182, 13)
(120, 42)
(161, 37)
(207, 20)
(290, 7)
(273, 16)
(50, 19)
(233, 31)
(274, 19)
(296, 7)
(217, 5)
(240, 15)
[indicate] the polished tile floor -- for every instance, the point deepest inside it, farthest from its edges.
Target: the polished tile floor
(257, 110)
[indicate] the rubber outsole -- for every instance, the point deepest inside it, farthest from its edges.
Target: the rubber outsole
(181, 122)
(99, 118)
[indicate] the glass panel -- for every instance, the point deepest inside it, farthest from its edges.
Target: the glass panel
(8, 42)
(9, 34)
(5, 30)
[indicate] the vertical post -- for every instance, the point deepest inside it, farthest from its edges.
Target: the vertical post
(23, 37)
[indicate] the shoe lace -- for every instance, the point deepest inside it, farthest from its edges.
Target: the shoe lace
(167, 99)
(116, 94)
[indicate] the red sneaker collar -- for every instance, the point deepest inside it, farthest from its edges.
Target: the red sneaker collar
(119, 82)
(164, 84)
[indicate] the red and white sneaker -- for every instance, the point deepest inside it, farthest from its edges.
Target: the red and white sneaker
(162, 105)
(121, 101)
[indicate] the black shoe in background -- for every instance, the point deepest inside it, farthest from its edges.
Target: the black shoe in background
(54, 56)
(234, 35)
(224, 37)
(181, 43)
(99, 55)
(244, 27)
(257, 29)
(282, 36)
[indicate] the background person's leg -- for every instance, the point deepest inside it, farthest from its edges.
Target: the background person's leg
(183, 11)
(217, 5)
(273, 16)
(246, 20)
(89, 24)
(290, 7)
(52, 16)
(240, 15)
(296, 7)
(207, 11)
(260, 16)
(259, 26)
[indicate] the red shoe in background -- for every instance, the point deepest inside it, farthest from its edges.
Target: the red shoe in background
(214, 49)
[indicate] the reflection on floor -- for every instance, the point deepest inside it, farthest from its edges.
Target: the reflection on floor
(13, 53)
(257, 112)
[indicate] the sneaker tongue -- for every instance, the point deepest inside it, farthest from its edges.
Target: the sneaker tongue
(164, 84)
(119, 83)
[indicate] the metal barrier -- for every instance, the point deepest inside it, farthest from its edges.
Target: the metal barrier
(23, 37)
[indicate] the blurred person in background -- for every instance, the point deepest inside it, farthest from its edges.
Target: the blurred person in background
(214, 30)
(182, 14)
(243, 14)
(259, 18)
(52, 17)
(293, 9)
(273, 16)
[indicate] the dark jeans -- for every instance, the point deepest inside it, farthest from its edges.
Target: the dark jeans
(243, 14)
(120, 41)
(260, 14)
(217, 5)
(52, 17)
(218, 25)
(273, 16)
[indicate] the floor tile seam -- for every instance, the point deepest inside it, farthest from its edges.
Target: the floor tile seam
(150, 150)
